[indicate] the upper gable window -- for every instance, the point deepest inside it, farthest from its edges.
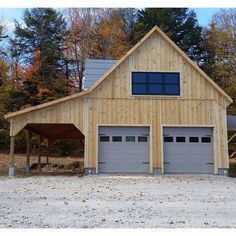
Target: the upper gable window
(156, 83)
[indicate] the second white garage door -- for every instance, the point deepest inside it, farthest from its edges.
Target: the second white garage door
(123, 150)
(188, 150)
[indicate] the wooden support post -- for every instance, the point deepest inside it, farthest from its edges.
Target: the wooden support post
(39, 153)
(48, 153)
(28, 135)
(50, 142)
(12, 151)
(12, 157)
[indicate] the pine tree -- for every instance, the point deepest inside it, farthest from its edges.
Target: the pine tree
(41, 64)
(179, 24)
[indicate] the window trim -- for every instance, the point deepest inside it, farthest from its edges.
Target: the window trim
(156, 95)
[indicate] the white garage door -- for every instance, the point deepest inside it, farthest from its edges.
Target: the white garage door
(123, 150)
(188, 150)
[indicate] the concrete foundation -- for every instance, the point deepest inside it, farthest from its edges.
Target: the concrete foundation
(90, 171)
(12, 171)
(223, 171)
(27, 169)
(157, 171)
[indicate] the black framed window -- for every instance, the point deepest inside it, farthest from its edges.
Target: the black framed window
(142, 139)
(168, 139)
(104, 138)
(116, 138)
(155, 83)
(180, 139)
(130, 138)
(193, 139)
(206, 139)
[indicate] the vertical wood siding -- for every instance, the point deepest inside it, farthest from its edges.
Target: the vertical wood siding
(111, 103)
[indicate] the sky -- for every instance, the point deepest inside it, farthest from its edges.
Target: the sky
(204, 15)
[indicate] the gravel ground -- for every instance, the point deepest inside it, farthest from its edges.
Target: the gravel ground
(113, 201)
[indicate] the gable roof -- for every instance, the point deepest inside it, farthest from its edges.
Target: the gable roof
(154, 29)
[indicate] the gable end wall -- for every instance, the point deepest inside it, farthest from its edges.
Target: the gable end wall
(199, 104)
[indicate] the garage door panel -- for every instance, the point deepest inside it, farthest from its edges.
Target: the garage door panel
(116, 168)
(127, 162)
(124, 157)
(183, 149)
(195, 169)
(187, 131)
(138, 159)
(191, 153)
(194, 159)
(188, 157)
(124, 151)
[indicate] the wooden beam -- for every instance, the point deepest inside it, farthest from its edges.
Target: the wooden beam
(232, 137)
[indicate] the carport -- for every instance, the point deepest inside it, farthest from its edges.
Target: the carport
(59, 119)
(50, 132)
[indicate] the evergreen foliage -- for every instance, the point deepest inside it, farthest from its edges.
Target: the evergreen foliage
(180, 24)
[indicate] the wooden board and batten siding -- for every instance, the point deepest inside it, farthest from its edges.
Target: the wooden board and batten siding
(110, 103)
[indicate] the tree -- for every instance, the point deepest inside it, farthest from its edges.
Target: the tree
(2, 37)
(80, 41)
(180, 24)
(96, 33)
(220, 52)
(111, 35)
(129, 17)
(42, 66)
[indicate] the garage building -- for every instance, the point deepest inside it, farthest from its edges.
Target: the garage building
(153, 111)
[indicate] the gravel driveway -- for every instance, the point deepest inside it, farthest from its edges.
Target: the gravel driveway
(104, 201)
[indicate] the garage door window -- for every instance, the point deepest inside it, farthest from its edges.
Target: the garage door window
(180, 139)
(116, 138)
(193, 139)
(104, 138)
(206, 139)
(142, 139)
(168, 139)
(130, 138)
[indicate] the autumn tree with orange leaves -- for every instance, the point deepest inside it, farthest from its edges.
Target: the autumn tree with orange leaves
(97, 33)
